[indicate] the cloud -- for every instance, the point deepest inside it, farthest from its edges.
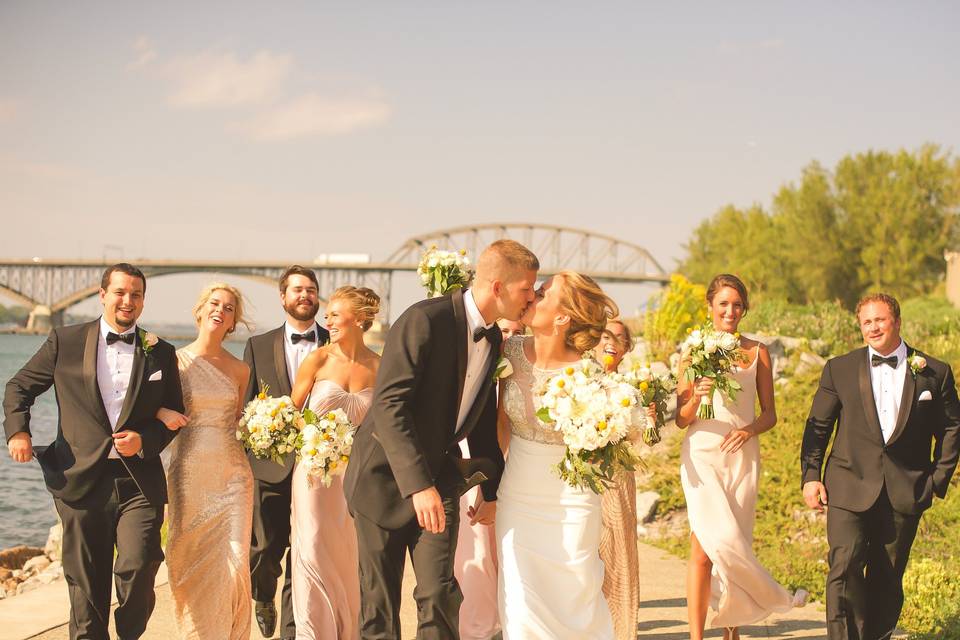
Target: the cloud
(145, 51)
(759, 45)
(221, 79)
(316, 115)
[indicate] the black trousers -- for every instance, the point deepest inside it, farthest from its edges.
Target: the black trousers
(382, 555)
(868, 555)
(271, 540)
(113, 515)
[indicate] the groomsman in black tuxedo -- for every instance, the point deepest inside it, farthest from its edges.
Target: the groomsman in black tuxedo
(103, 468)
(274, 358)
(892, 405)
(434, 388)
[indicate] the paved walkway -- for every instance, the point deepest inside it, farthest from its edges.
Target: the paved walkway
(42, 614)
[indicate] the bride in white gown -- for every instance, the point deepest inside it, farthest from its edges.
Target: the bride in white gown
(548, 533)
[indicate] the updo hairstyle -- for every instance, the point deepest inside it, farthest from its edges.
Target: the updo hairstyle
(363, 301)
(589, 309)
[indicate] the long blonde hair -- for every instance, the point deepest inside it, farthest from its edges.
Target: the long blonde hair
(589, 309)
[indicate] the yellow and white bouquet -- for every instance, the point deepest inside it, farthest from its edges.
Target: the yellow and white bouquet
(325, 443)
(595, 412)
(441, 272)
(269, 426)
(655, 384)
(711, 353)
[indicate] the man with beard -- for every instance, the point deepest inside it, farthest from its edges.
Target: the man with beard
(274, 358)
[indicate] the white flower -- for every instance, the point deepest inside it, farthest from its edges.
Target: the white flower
(917, 364)
(728, 341)
(711, 344)
(150, 339)
(504, 368)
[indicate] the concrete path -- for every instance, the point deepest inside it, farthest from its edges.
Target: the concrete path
(42, 614)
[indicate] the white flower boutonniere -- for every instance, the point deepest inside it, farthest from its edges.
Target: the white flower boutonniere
(917, 364)
(148, 341)
(504, 369)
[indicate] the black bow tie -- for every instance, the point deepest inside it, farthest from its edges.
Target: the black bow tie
(490, 333)
(116, 337)
(876, 360)
(309, 336)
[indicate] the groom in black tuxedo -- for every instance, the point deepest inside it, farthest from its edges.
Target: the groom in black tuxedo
(403, 484)
(103, 468)
(892, 406)
(273, 358)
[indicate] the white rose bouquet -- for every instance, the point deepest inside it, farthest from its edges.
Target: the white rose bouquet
(324, 444)
(595, 412)
(655, 384)
(441, 272)
(712, 354)
(269, 427)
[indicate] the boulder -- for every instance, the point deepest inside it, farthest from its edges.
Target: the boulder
(36, 565)
(15, 557)
(810, 362)
(647, 502)
(54, 546)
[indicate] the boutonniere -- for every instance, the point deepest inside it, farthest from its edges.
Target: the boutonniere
(917, 364)
(147, 341)
(503, 370)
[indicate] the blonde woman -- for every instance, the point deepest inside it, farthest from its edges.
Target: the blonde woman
(323, 542)
(548, 533)
(209, 480)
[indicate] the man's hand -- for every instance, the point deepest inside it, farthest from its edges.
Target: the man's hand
(20, 447)
(429, 508)
(815, 495)
(127, 443)
(482, 512)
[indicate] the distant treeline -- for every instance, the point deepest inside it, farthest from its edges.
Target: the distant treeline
(14, 315)
(879, 221)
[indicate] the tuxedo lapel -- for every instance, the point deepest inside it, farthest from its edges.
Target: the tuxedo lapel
(136, 377)
(460, 318)
(90, 373)
(280, 362)
(866, 395)
(490, 368)
(907, 399)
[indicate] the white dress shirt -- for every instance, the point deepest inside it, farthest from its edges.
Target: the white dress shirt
(297, 353)
(888, 388)
(114, 368)
(476, 357)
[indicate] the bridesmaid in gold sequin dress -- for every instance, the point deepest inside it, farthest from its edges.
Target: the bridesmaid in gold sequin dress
(324, 562)
(210, 482)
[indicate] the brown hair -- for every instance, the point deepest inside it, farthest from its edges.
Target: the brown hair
(122, 267)
(238, 306)
(587, 305)
(297, 270)
(732, 281)
(886, 299)
(626, 333)
(364, 302)
(505, 257)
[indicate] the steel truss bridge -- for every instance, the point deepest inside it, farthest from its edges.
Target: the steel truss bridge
(50, 286)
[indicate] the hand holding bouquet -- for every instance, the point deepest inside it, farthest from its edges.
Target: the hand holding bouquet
(712, 354)
(325, 443)
(655, 384)
(441, 272)
(269, 426)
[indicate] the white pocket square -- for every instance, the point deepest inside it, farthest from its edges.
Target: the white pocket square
(158, 375)
(926, 395)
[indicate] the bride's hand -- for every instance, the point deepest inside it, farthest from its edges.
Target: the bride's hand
(171, 419)
(482, 512)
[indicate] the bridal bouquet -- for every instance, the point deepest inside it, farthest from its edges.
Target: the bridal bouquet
(443, 271)
(712, 354)
(269, 427)
(324, 444)
(595, 412)
(655, 384)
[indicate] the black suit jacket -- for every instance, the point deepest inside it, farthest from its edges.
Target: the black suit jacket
(267, 359)
(408, 440)
(860, 463)
(78, 456)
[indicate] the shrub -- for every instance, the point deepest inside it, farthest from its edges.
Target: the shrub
(680, 305)
(932, 601)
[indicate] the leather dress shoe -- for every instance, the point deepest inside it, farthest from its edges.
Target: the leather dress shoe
(266, 615)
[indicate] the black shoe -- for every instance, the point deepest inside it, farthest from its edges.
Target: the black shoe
(266, 614)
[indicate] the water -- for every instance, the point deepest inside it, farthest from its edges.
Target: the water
(26, 506)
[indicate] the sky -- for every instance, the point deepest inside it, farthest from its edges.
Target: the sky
(280, 131)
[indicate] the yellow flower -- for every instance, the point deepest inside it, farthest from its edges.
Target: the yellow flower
(644, 385)
(312, 452)
(333, 465)
(463, 252)
(561, 383)
(625, 402)
(326, 436)
(331, 416)
(601, 425)
(607, 360)
(261, 396)
(344, 459)
(568, 371)
(689, 329)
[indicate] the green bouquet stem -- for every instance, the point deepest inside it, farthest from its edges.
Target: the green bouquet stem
(705, 410)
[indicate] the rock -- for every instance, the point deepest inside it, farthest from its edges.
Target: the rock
(46, 577)
(810, 362)
(29, 585)
(54, 546)
(36, 565)
(5, 574)
(14, 557)
(10, 586)
(647, 502)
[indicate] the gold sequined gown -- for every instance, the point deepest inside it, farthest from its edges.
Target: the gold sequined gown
(618, 550)
(210, 488)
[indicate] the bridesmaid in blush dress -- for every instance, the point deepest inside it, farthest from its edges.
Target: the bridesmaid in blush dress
(719, 471)
(323, 544)
(209, 481)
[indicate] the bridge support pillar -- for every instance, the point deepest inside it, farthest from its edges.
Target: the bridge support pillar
(42, 319)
